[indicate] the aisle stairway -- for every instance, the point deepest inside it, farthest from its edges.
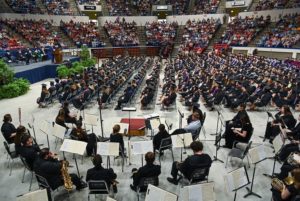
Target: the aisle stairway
(4, 7)
(222, 7)
(104, 37)
(65, 39)
(18, 36)
(105, 11)
(142, 35)
(42, 6)
(258, 37)
(74, 7)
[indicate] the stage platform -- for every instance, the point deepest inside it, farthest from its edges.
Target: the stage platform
(36, 72)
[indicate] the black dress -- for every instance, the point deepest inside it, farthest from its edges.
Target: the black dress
(230, 137)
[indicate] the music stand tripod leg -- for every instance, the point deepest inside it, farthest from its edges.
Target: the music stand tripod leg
(250, 192)
(77, 166)
(271, 176)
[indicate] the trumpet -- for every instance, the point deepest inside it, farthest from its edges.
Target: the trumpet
(278, 184)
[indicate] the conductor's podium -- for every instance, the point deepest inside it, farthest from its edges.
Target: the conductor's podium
(136, 126)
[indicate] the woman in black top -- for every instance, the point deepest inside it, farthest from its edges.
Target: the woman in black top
(290, 191)
(8, 129)
(117, 137)
(284, 118)
(242, 135)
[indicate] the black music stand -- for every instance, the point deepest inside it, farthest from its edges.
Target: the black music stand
(218, 119)
(242, 186)
(181, 116)
(129, 109)
(270, 116)
(278, 143)
(100, 114)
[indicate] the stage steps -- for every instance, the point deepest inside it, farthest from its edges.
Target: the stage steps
(74, 8)
(141, 35)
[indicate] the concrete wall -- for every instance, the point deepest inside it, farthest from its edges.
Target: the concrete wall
(54, 19)
(182, 19)
(273, 13)
(140, 20)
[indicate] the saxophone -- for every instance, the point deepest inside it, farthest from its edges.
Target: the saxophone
(68, 184)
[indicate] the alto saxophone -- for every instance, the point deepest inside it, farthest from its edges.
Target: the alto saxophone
(68, 184)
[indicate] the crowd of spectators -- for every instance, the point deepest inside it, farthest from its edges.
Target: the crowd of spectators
(82, 33)
(119, 7)
(180, 7)
(205, 7)
(7, 41)
(235, 79)
(58, 7)
(39, 33)
(239, 32)
(159, 33)
(270, 4)
(284, 35)
(24, 6)
(197, 34)
(144, 7)
(122, 33)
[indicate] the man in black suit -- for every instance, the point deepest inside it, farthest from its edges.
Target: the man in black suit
(100, 173)
(50, 168)
(28, 150)
(148, 170)
(198, 160)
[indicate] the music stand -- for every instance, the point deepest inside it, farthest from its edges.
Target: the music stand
(40, 194)
(199, 192)
(74, 147)
(154, 193)
(218, 119)
(110, 199)
(257, 155)
(181, 141)
(236, 179)
(278, 143)
(129, 109)
(270, 116)
(91, 120)
(45, 128)
(181, 116)
(108, 149)
(141, 147)
(58, 132)
(153, 124)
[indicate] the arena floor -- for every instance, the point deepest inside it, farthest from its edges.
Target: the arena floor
(11, 186)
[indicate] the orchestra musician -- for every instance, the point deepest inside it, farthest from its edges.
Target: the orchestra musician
(41, 100)
(78, 133)
(28, 150)
(162, 134)
(116, 136)
(284, 118)
(197, 160)
(64, 116)
(8, 129)
(49, 167)
(288, 192)
(100, 173)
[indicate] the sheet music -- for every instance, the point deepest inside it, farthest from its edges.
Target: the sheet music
(296, 157)
(257, 153)
(236, 179)
(154, 123)
(177, 140)
(199, 192)
(110, 199)
(108, 148)
(34, 196)
(277, 143)
(157, 194)
(44, 126)
(90, 119)
(73, 146)
(129, 109)
(141, 147)
(59, 131)
(149, 116)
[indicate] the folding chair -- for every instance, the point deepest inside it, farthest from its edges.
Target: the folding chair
(198, 175)
(143, 185)
(165, 144)
(26, 166)
(12, 155)
(239, 152)
(98, 187)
